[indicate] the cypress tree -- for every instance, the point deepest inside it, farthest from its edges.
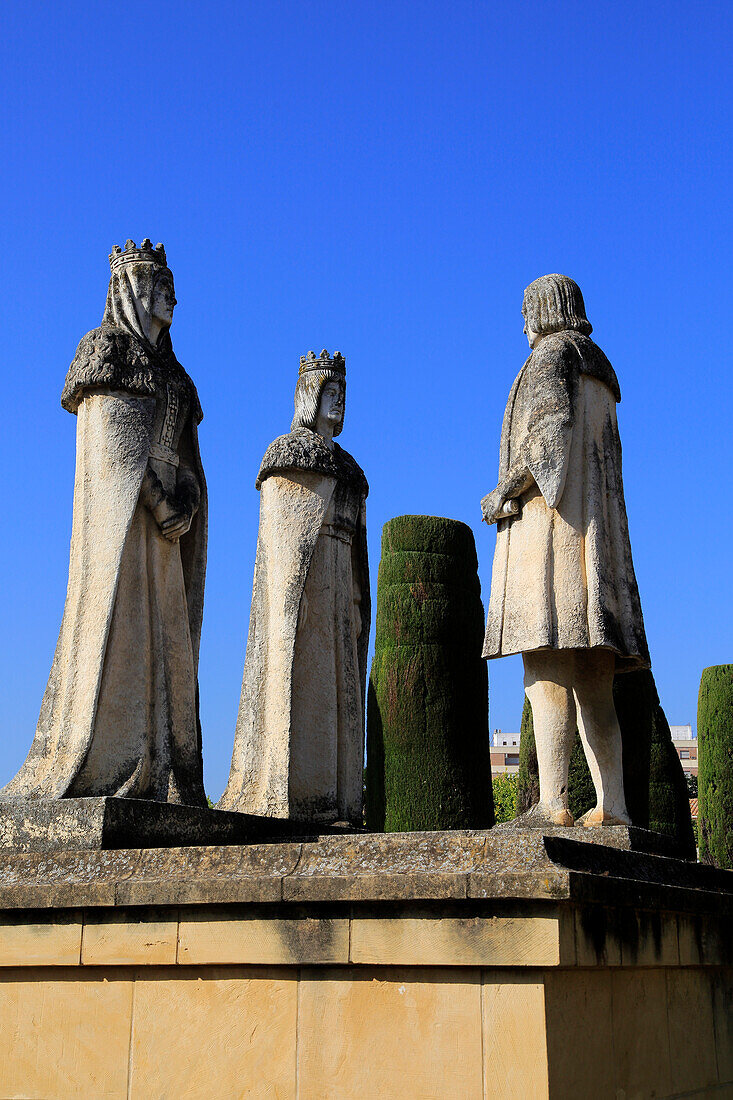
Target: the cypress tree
(528, 778)
(715, 775)
(669, 804)
(428, 753)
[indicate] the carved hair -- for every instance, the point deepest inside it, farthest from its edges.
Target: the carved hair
(553, 303)
(308, 398)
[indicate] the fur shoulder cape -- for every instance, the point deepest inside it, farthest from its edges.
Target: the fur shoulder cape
(304, 449)
(112, 358)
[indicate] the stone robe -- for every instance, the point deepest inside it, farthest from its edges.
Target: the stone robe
(299, 743)
(563, 576)
(120, 711)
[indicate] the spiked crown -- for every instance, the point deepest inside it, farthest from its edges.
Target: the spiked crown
(132, 254)
(322, 362)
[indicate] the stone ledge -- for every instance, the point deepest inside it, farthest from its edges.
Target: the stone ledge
(98, 824)
(518, 934)
(368, 868)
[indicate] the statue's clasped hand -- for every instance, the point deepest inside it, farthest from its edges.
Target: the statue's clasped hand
(173, 517)
(177, 526)
(495, 506)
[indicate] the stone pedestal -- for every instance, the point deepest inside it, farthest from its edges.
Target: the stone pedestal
(424, 965)
(94, 824)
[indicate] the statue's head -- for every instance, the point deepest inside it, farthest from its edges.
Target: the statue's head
(321, 388)
(141, 295)
(554, 303)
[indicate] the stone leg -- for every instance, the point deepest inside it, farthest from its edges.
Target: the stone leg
(601, 736)
(548, 677)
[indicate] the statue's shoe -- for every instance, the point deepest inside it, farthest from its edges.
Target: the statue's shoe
(598, 816)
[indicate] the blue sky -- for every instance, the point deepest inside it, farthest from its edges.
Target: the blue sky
(384, 178)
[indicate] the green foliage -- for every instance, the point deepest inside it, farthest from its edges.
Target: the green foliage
(528, 777)
(654, 783)
(691, 786)
(428, 763)
(581, 792)
(669, 805)
(636, 700)
(715, 770)
(505, 796)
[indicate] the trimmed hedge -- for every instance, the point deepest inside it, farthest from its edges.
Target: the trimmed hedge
(654, 782)
(428, 750)
(715, 766)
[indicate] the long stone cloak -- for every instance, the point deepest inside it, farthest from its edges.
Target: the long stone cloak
(299, 480)
(111, 386)
(563, 575)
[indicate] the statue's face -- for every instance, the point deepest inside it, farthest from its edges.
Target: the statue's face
(332, 403)
(164, 300)
(529, 332)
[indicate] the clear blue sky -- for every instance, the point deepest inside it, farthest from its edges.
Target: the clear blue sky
(384, 178)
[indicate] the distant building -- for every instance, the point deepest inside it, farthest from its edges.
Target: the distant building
(504, 753)
(505, 750)
(684, 740)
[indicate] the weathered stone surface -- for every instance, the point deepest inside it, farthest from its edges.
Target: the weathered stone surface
(455, 941)
(125, 668)
(230, 1035)
(299, 741)
(94, 823)
(462, 867)
(563, 589)
(627, 837)
(375, 1049)
(236, 937)
(64, 1039)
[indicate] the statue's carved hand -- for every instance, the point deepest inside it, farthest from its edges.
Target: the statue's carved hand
(491, 505)
(176, 526)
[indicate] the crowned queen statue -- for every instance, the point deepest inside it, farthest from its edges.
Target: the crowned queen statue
(120, 711)
(299, 744)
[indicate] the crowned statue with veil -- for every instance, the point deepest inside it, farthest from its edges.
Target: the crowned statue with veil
(120, 711)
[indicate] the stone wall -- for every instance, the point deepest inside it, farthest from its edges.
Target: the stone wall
(393, 986)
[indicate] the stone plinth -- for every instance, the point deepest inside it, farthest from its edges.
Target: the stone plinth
(88, 824)
(432, 965)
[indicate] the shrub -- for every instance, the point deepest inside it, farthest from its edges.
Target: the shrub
(505, 796)
(428, 751)
(715, 767)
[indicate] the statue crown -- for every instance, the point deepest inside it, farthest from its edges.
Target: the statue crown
(132, 254)
(311, 361)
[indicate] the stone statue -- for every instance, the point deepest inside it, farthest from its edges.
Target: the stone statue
(120, 711)
(563, 589)
(299, 743)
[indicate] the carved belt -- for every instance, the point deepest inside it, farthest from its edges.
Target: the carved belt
(164, 454)
(334, 532)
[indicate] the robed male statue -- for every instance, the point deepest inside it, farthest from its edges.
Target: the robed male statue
(120, 711)
(299, 743)
(563, 589)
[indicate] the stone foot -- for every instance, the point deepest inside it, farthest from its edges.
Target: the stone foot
(561, 817)
(540, 816)
(598, 816)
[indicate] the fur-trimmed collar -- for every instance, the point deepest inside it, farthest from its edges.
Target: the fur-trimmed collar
(109, 357)
(306, 450)
(593, 361)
